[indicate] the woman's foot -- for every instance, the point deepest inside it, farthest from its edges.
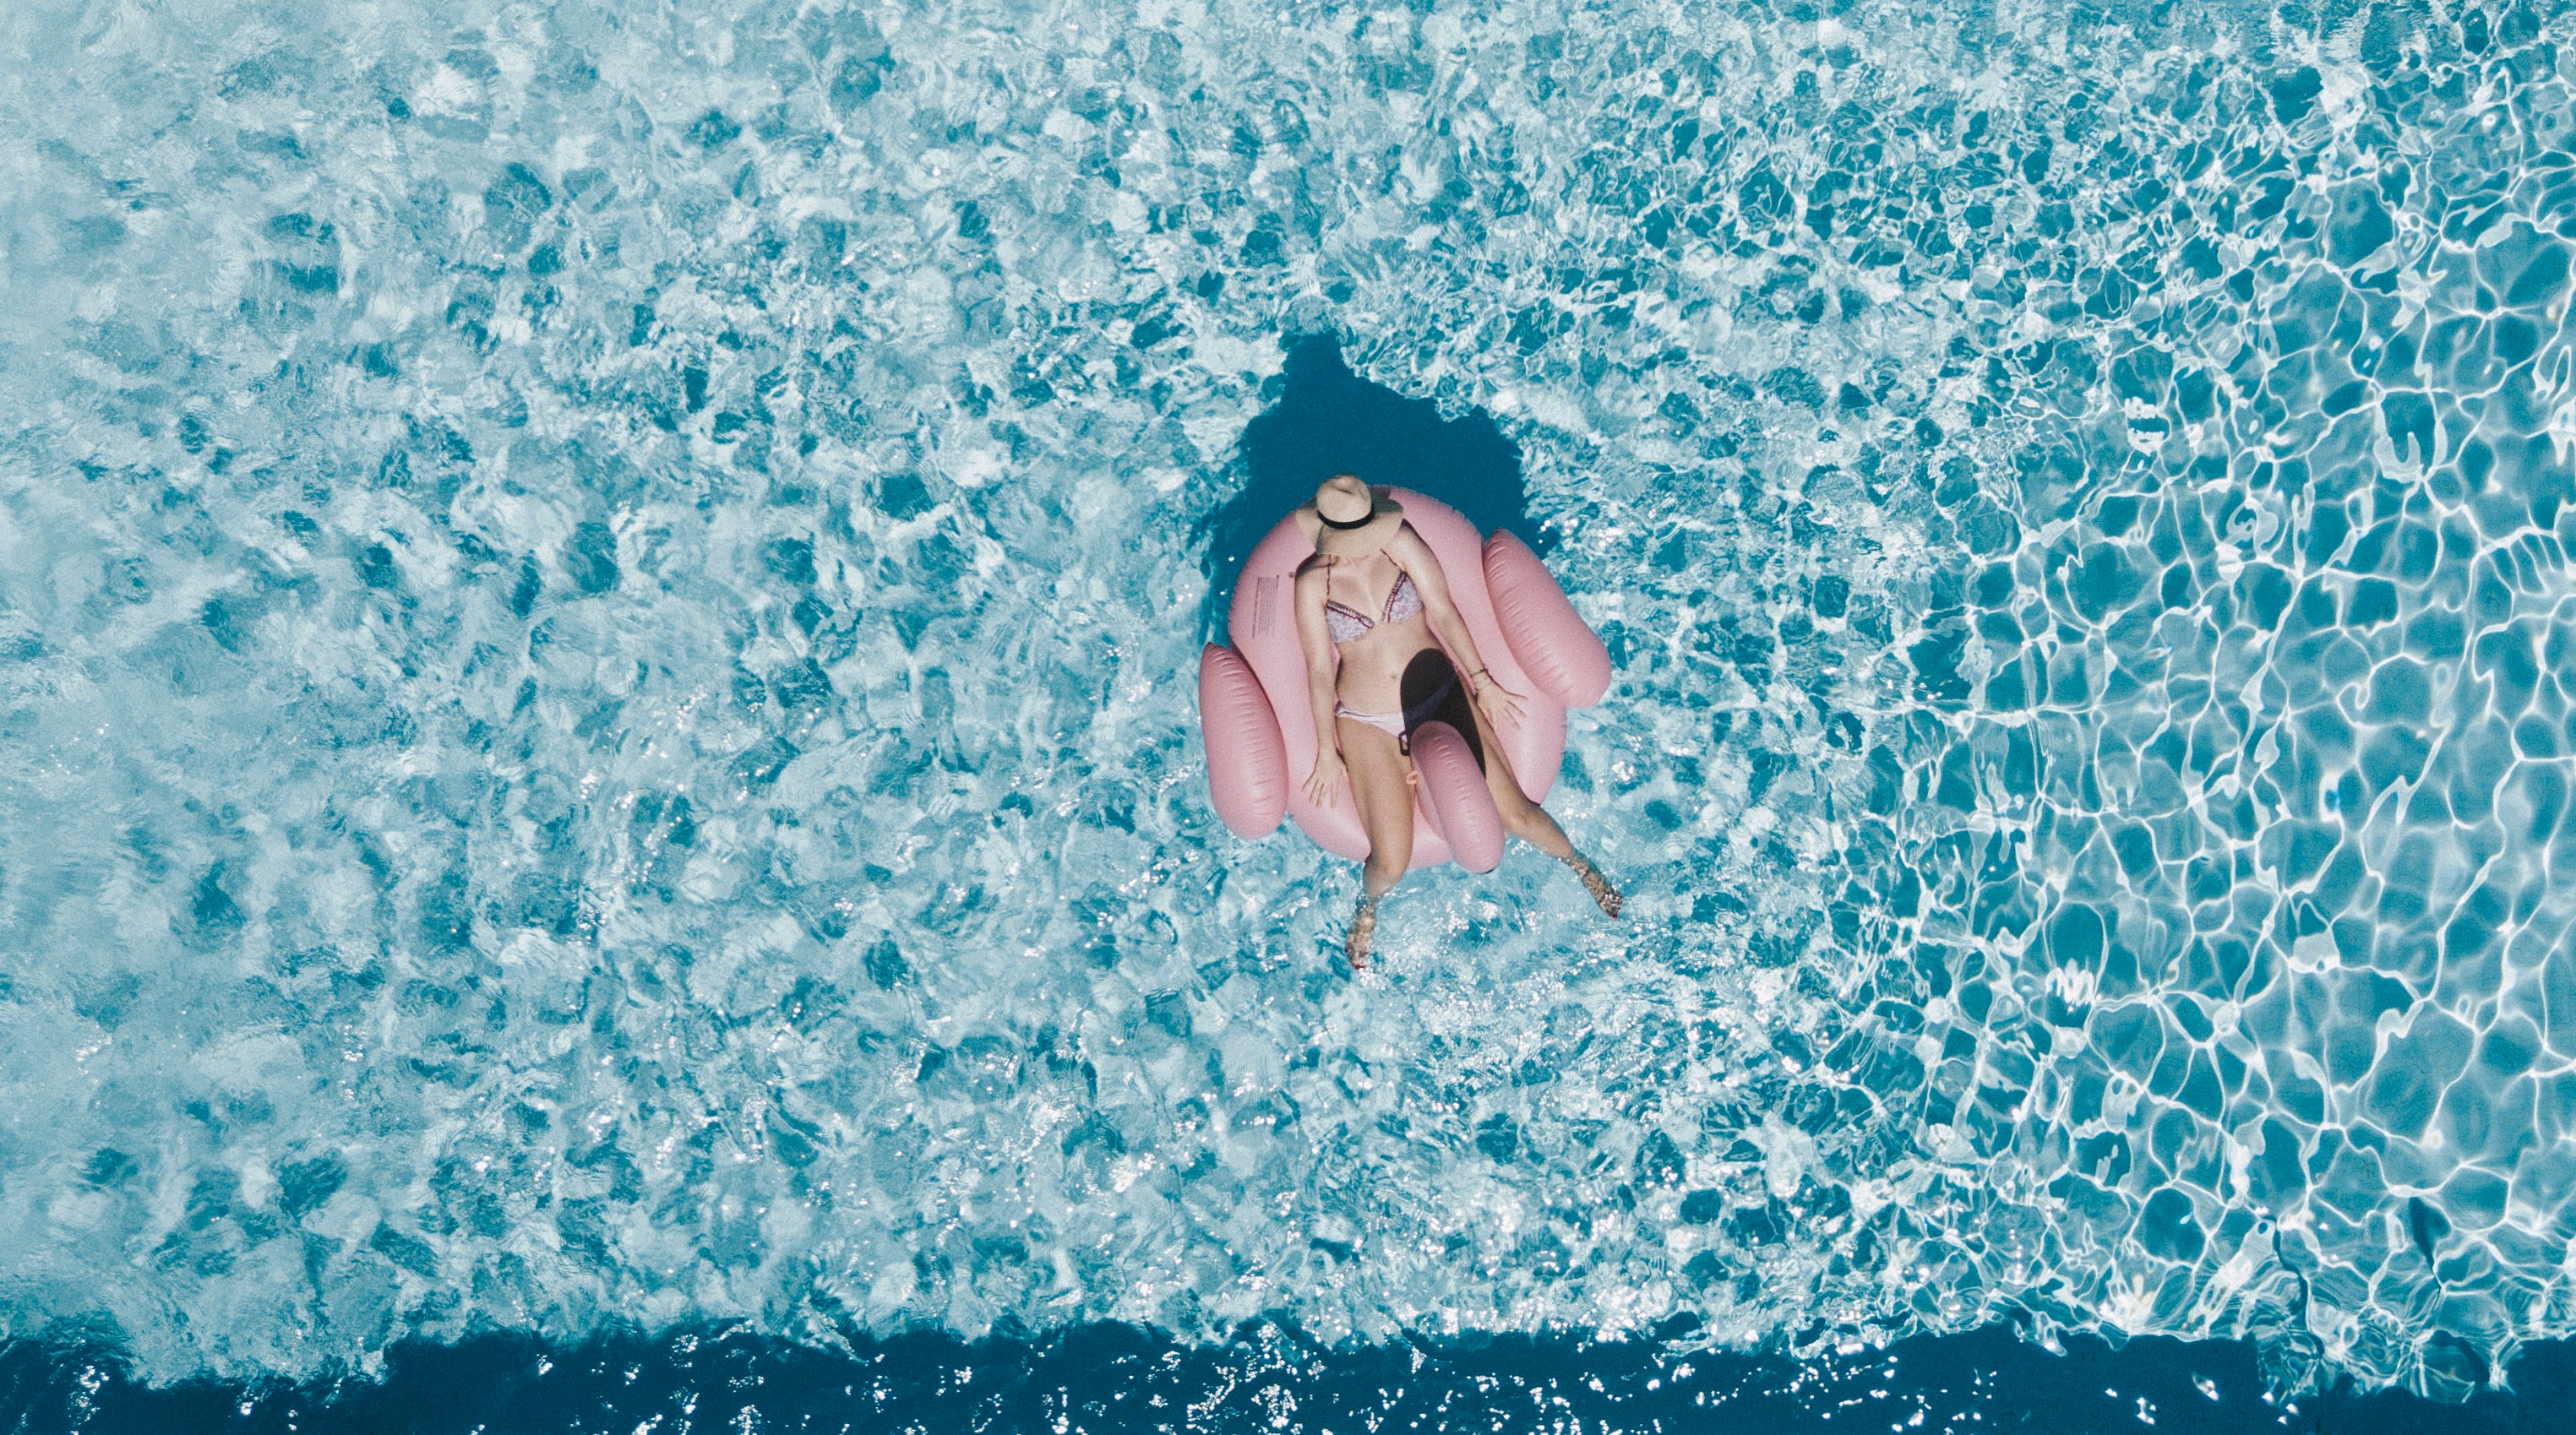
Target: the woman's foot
(1363, 929)
(1596, 884)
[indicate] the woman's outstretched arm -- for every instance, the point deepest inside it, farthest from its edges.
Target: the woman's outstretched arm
(1500, 704)
(1323, 673)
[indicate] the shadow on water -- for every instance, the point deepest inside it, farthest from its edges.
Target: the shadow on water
(1329, 420)
(1429, 677)
(1105, 1378)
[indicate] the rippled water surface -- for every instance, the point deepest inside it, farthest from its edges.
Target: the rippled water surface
(597, 619)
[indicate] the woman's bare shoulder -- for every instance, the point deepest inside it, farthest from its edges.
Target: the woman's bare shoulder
(1410, 552)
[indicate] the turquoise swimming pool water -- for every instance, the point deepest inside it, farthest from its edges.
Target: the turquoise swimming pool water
(596, 620)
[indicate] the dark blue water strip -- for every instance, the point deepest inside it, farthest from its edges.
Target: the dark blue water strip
(1110, 1378)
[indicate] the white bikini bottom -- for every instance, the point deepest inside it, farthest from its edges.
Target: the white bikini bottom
(1400, 725)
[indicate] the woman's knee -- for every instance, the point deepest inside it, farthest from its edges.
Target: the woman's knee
(1390, 837)
(1531, 823)
(1390, 853)
(1383, 870)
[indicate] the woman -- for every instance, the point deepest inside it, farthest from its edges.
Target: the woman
(1373, 616)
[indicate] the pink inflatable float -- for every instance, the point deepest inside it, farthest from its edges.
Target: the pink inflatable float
(1260, 726)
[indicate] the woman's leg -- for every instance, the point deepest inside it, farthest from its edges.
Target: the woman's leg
(1530, 822)
(1382, 784)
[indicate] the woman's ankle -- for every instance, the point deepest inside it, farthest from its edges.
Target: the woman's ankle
(1363, 933)
(1605, 894)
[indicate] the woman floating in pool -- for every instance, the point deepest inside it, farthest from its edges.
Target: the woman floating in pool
(1374, 616)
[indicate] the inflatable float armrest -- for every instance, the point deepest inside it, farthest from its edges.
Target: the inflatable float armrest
(1555, 646)
(1455, 797)
(1247, 758)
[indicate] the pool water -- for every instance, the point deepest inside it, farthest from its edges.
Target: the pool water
(598, 608)
(1097, 1379)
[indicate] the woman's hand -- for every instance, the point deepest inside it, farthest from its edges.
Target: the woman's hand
(1324, 784)
(1500, 705)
